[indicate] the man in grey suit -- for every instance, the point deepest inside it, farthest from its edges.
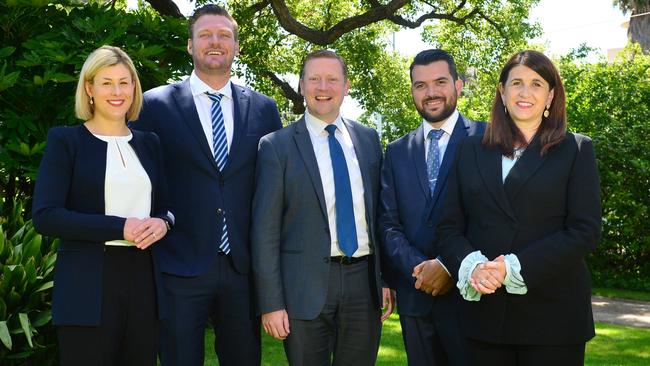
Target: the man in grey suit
(314, 251)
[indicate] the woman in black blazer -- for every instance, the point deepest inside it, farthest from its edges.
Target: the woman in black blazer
(100, 190)
(522, 212)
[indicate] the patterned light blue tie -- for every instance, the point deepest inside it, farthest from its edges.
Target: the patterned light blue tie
(220, 147)
(433, 158)
(346, 230)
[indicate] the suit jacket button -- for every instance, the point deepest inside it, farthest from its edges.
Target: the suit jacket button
(327, 230)
(219, 211)
(326, 259)
(430, 223)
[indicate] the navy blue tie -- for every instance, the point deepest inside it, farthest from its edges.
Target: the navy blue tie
(433, 158)
(220, 147)
(346, 230)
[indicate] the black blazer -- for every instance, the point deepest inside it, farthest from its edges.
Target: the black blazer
(69, 204)
(199, 193)
(547, 213)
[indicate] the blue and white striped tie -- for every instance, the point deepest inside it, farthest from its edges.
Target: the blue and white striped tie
(220, 147)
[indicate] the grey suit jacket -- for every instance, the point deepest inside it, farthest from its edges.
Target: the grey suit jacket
(290, 239)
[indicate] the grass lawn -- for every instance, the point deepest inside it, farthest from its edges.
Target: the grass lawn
(613, 345)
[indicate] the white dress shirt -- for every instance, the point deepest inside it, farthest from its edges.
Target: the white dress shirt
(127, 188)
(319, 141)
(204, 108)
(448, 127)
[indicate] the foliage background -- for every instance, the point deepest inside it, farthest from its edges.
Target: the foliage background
(42, 48)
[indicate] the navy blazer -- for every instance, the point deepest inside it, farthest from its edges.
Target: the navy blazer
(410, 213)
(291, 236)
(547, 212)
(200, 194)
(69, 204)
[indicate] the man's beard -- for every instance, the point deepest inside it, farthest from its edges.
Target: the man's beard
(447, 110)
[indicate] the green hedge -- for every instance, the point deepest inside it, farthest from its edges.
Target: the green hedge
(611, 103)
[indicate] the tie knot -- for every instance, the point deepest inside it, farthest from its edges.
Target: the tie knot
(331, 129)
(214, 97)
(436, 134)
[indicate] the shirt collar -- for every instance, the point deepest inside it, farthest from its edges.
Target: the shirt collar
(447, 126)
(199, 87)
(317, 126)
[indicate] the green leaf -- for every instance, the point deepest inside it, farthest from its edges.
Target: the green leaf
(62, 78)
(9, 80)
(46, 286)
(6, 51)
(42, 318)
(24, 323)
(32, 249)
(30, 272)
(3, 309)
(38, 80)
(5, 337)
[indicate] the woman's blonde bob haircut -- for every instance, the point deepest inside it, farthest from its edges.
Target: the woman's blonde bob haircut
(100, 58)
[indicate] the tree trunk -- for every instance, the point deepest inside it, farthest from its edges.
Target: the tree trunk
(639, 29)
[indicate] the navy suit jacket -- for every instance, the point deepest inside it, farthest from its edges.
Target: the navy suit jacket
(410, 214)
(69, 204)
(547, 212)
(291, 236)
(200, 194)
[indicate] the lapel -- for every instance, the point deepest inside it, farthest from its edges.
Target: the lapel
(364, 166)
(189, 115)
(416, 149)
(457, 135)
(527, 165)
(136, 143)
(306, 150)
(489, 166)
(146, 161)
(241, 105)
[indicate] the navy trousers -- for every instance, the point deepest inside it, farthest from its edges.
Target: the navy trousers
(221, 298)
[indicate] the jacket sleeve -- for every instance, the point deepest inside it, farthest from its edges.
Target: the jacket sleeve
(49, 212)
(266, 230)
(560, 251)
(395, 246)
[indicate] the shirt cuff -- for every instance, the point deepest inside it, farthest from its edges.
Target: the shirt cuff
(513, 282)
(443, 266)
(467, 266)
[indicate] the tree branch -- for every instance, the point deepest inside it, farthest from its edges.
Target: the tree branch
(297, 101)
(166, 7)
(324, 38)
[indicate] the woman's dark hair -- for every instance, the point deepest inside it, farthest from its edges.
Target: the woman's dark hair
(503, 134)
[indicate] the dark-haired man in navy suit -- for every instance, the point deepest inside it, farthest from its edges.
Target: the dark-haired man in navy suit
(414, 177)
(209, 129)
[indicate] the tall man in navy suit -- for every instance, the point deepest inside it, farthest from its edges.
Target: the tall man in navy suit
(209, 129)
(315, 252)
(414, 178)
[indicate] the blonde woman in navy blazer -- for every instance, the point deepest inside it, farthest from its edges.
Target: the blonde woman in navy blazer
(100, 190)
(522, 213)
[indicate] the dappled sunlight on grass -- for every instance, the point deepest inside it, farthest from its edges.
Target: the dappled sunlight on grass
(616, 345)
